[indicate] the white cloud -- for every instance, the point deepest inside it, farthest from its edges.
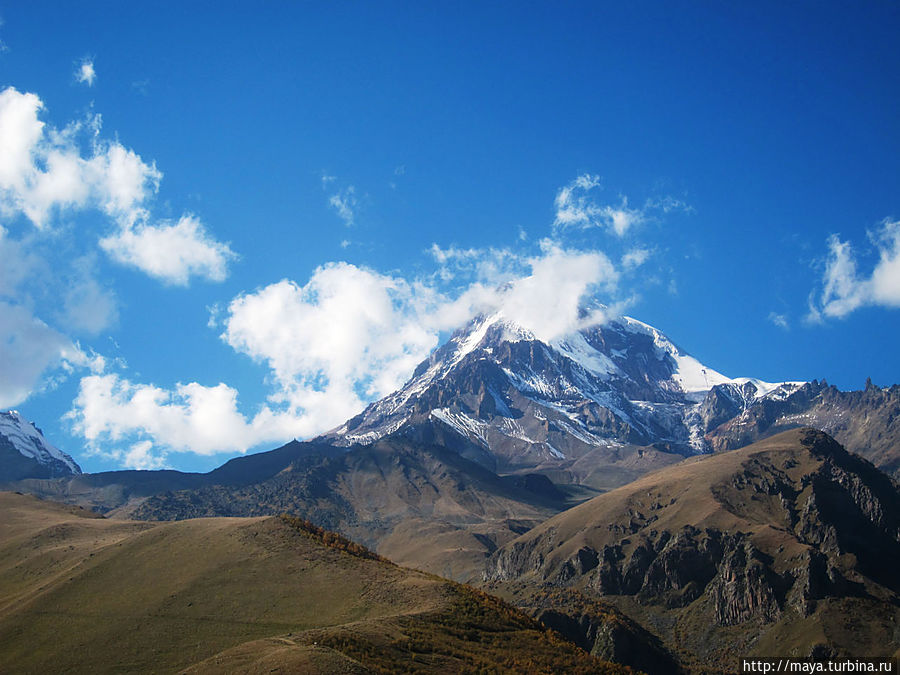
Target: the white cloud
(885, 280)
(20, 131)
(122, 180)
(347, 336)
(779, 320)
(844, 290)
(487, 265)
(635, 258)
(85, 73)
(548, 301)
(621, 218)
(29, 350)
(345, 203)
(192, 418)
(576, 207)
(171, 252)
(573, 207)
(44, 171)
(140, 456)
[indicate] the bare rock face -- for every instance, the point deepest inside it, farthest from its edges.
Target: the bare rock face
(602, 630)
(745, 587)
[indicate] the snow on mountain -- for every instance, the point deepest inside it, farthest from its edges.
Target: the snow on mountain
(527, 402)
(18, 434)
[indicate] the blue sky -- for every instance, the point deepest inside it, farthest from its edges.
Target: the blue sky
(344, 182)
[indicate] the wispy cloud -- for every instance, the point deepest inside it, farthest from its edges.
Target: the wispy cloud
(577, 206)
(29, 349)
(85, 72)
(345, 204)
(635, 258)
(88, 306)
(780, 320)
(844, 290)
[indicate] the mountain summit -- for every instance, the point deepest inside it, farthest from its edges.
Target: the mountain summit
(26, 453)
(515, 403)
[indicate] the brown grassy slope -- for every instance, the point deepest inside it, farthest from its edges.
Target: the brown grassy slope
(783, 547)
(380, 495)
(703, 492)
(81, 594)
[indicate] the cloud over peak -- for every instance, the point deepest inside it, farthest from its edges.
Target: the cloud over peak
(348, 336)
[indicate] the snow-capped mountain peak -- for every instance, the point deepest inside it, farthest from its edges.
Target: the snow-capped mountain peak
(20, 435)
(621, 382)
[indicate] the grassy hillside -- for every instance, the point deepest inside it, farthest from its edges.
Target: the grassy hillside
(788, 547)
(85, 594)
(383, 495)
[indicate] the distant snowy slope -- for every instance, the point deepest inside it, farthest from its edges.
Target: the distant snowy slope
(25, 453)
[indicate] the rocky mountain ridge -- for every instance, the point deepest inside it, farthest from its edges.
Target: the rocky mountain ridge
(782, 542)
(577, 407)
(526, 401)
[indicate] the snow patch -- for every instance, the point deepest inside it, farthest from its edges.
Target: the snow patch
(576, 348)
(462, 423)
(371, 436)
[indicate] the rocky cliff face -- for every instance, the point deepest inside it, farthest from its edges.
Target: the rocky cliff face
(600, 629)
(764, 536)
